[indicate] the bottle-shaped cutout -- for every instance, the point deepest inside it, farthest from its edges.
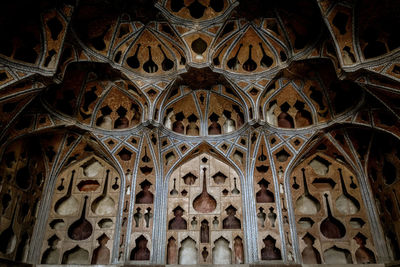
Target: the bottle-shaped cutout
(145, 158)
(352, 184)
(8, 237)
(216, 58)
(235, 191)
(397, 203)
(147, 217)
(5, 201)
(174, 192)
(261, 215)
(23, 177)
(215, 222)
(115, 186)
(137, 216)
(234, 63)
(150, 66)
(81, 229)
(204, 203)
(182, 61)
(346, 203)
(272, 216)
(295, 185)
(266, 61)
(330, 226)
(61, 186)
(262, 157)
(104, 204)
(196, 9)
(167, 63)
(133, 61)
(250, 64)
(306, 203)
(68, 204)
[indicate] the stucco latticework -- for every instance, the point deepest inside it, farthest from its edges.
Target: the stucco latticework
(199, 132)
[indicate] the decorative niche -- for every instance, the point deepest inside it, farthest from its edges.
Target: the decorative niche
(80, 228)
(328, 211)
(204, 222)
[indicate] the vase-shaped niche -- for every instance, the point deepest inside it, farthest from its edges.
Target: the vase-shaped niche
(310, 254)
(101, 254)
(145, 196)
(140, 252)
(231, 222)
(177, 223)
(270, 251)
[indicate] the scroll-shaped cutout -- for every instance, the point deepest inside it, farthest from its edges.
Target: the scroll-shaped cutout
(177, 223)
(310, 254)
(8, 237)
(140, 252)
(219, 178)
(104, 204)
(88, 185)
(330, 226)
(346, 203)
(76, 255)
(324, 183)
(67, 205)
(189, 178)
(145, 196)
(101, 254)
(188, 251)
(204, 203)
(81, 229)
(336, 255)
(222, 254)
(264, 195)
(231, 222)
(270, 251)
(306, 203)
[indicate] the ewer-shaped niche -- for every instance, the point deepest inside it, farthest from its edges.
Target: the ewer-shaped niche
(204, 213)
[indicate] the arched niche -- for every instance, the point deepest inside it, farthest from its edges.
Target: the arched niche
(83, 213)
(329, 210)
(204, 205)
(382, 166)
(308, 93)
(89, 92)
(219, 109)
(22, 177)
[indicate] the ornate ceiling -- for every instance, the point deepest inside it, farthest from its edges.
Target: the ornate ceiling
(185, 77)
